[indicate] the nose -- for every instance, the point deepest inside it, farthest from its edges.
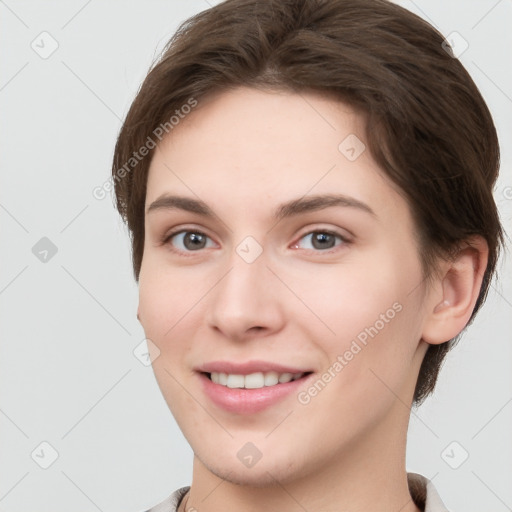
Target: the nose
(247, 301)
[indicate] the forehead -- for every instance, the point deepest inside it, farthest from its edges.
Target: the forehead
(251, 120)
(254, 147)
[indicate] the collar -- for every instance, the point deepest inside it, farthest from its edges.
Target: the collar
(424, 494)
(422, 490)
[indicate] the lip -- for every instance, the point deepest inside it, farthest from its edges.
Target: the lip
(247, 367)
(248, 401)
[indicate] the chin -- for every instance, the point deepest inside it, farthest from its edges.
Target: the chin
(248, 477)
(258, 481)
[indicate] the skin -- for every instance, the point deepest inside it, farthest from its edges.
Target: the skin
(244, 152)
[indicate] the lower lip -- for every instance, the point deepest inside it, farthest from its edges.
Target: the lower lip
(248, 401)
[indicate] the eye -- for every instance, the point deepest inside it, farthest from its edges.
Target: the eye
(189, 241)
(321, 240)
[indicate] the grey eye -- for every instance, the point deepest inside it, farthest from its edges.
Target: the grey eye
(191, 241)
(321, 240)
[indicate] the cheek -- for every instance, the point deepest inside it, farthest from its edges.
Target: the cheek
(166, 293)
(366, 311)
(367, 362)
(347, 299)
(164, 299)
(166, 313)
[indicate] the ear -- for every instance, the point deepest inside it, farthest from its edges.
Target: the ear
(454, 295)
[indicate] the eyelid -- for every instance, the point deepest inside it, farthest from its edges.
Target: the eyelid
(175, 231)
(344, 234)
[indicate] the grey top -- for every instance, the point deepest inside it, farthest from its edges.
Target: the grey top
(422, 490)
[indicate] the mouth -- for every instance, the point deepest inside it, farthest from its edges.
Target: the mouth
(241, 389)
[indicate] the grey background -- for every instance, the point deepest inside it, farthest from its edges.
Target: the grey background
(68, 328)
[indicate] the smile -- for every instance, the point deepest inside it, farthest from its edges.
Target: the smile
(251, 387)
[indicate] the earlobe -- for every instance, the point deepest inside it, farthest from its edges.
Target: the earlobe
(461, 281)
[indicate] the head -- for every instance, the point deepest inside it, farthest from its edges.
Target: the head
(258, 104)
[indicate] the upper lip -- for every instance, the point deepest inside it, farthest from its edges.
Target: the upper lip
(247, 367)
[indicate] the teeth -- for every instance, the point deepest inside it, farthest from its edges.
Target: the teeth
(254, 380)
(235, 381)
(285, 377)
(271, 378)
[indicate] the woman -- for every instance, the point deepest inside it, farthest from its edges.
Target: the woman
(308, 186)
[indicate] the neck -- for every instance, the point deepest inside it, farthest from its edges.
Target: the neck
(370, 474)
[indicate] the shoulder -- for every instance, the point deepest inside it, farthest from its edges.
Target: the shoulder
(424, 493)
(171, 503)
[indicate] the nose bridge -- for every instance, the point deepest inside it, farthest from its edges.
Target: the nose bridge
(246, 296)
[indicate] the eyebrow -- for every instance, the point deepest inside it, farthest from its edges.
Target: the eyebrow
(288, 209)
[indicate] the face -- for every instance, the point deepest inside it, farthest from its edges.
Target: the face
(276, 249)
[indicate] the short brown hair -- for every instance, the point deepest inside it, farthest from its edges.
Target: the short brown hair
(428, 127)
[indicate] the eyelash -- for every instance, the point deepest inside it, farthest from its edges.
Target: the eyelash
(166, 240)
